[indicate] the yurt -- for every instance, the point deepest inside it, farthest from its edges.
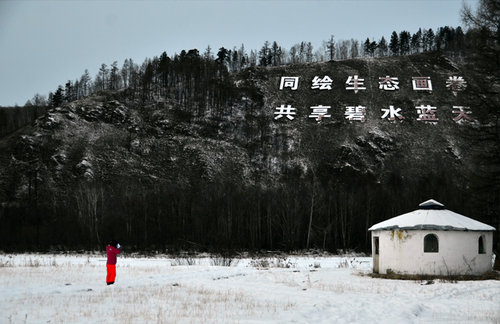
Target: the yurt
(432, 241)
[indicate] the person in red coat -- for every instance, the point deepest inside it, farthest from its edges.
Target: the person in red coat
(112, 250)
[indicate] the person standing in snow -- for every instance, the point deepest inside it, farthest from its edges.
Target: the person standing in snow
(112, 250)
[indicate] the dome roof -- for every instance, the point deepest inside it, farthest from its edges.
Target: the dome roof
(432, 216)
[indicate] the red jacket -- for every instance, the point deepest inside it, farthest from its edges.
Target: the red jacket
(111, 251)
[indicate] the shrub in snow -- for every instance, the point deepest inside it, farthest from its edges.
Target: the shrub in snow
(183, 261)
(221, 260)
(278, 262)
(5, 263)
(343, 264)
(260, 263)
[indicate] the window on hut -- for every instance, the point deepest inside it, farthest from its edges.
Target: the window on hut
(431, 243)
(481, 245)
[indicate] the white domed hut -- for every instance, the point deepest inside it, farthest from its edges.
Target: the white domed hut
(432, 241)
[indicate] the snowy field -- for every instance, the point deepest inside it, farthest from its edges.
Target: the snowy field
(296, 289)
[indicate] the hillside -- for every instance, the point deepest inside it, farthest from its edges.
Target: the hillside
(158, 176)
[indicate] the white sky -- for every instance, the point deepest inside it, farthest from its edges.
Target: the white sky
(45, 43)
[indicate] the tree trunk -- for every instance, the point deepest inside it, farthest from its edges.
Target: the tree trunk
(311, 211)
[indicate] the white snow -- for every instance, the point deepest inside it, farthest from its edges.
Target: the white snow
(436, 219)
(431, 203)
(294, 289)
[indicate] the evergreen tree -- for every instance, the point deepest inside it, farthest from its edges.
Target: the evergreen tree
(373, 48)
(404, 42)
(103, 71)
(428, 40)
(147, 79)
(416, 40)
(382, 47)
(276, 53)
(460, 39)
(68, 92)
(222, 56)
(448, 37)
(394, 43)
(366, 46)
(330, 45)
(265, 55)
(114, 76)
(243, 59)
(369, 47)
(58, 97)
(76, 90)
(164, 69)
(439, 39)
(235, 60)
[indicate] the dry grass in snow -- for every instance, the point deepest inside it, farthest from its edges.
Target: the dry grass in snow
(72, 289)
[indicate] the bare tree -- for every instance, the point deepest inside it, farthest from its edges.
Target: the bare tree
(354, 48)
(486, 16)
(87, 199)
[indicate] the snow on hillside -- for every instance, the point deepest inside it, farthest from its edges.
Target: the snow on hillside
(295, 289)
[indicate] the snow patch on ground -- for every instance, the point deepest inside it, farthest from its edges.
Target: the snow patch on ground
(290, 289)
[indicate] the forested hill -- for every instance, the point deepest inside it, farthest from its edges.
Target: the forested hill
(198, 158)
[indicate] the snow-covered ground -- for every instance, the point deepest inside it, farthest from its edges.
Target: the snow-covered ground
(296, 289)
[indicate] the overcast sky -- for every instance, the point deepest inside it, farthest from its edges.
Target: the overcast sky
(45, 43)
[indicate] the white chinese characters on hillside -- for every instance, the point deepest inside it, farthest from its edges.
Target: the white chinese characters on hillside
(289, 82)
(427, 113)
(463, 113)
(388, 83)
(422, 83)
(455, 84)
(287, 111)
(355, 83)
(322, 84)
(355, 113)
(319, 112)
(391, 113)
